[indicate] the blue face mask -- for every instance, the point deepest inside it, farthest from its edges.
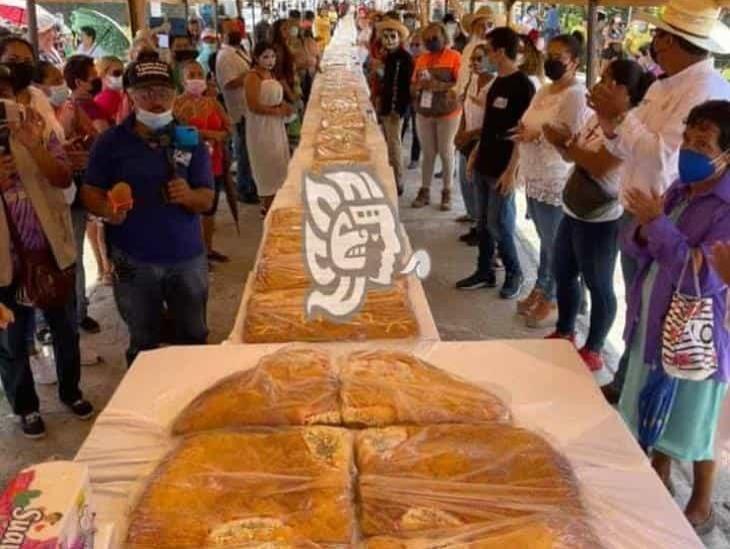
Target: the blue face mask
(488, 66)
(696, 167)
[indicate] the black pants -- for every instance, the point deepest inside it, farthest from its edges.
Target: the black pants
(588, 250)
(409, 120)
(15, 370)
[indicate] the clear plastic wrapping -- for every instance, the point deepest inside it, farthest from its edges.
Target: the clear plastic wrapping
(392, 387)
(264, 488)
(350, 120)
(419, 479)
(542, 531)
(290, 387)
(281, 272)
(280, 316)
(341, 145)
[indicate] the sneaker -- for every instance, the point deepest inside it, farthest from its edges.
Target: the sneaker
(45, 336)
(439, 175)
(249, 198)
(466, 218)
(592, 359)
(82, 409)
(423, 198)
(89, 325)
(476, 281)
(217, 256)
(524, 306)
(467, 236)
(511, 287)
(543, 313)
(43, 369)
(89, 356)
(558, 335)
(33, 426)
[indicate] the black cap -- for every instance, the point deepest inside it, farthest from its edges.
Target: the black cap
(143, 74)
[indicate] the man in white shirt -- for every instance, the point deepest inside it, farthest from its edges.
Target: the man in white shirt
(648, 138)
(231, 66)
(477, 25)
(88, 45)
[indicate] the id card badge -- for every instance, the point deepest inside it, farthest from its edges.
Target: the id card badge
(426, 99)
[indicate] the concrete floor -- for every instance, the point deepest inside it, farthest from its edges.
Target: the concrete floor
(459, 316)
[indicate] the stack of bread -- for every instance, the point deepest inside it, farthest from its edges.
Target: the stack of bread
(266, 459)
(276, 308)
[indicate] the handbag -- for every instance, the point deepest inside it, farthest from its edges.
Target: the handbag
(688, 345)
(586, 197)
(41, 282)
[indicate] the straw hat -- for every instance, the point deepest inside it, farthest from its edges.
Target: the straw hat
(392, 24)
(469, 19)
(697, 21)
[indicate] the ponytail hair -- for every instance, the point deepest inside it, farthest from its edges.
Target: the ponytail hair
(630, 74)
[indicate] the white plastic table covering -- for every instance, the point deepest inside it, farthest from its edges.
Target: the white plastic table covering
(547, 387)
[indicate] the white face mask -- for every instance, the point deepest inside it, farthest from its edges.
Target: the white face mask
(196, 87)
(153, 120)
(114, 82)
(58, 95)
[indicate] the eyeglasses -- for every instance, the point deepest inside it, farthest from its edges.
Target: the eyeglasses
(157, 93)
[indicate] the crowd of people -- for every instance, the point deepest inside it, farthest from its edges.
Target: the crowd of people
(636, 167)
(134, 154)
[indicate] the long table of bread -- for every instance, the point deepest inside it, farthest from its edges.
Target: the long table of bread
(399, 445)
(339, 130)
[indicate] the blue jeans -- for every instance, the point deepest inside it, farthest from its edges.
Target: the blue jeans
(468, 190)
(588, 250)
(245, 183)
(15, 370)
(496, 225)
(142, 289)
(546, 218)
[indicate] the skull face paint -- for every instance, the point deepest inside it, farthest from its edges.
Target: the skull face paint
(390, 39)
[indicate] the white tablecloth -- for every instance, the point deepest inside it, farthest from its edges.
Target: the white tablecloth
(547, 387)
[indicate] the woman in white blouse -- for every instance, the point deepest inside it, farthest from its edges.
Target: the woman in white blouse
(543, 170)
(475, 99)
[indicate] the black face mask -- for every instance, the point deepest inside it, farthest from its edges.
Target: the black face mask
(555, 69)
(185, 55)
(21, 74)
(434, 45)
(95, 86)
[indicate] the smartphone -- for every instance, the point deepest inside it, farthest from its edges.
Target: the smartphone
(163, 41)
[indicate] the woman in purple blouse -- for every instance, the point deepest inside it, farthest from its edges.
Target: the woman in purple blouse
(689, 219)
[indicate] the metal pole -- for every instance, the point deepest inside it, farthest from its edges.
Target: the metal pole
(32, 18)
(592, 40)
(187, 9)
(215, 15)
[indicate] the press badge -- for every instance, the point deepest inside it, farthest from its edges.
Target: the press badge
(426, 99)
(182, 157)
(500, 103)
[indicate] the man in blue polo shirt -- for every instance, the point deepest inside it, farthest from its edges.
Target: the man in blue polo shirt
(155, 242)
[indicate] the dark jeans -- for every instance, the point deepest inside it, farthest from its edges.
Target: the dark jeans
(141, 290)
(588, 250)
(245, 183)
(78, 220)
(409, 120)
(496, 225)
(629, 267)
(546, 218)
(15, 370)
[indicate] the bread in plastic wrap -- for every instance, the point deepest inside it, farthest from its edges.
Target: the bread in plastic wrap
(544, 531)
(285, 487)
(281, 272)
(341, 145)
(290, 218)
(421, 478)
(351, 120)
(383, 387)
(280, 316)
(289, 387)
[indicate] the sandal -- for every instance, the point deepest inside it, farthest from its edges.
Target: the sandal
(708, 525)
